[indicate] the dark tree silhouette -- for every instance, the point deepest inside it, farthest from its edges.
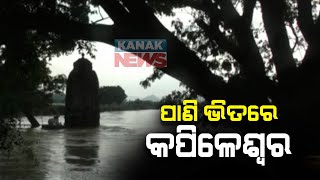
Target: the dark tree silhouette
(111, 94)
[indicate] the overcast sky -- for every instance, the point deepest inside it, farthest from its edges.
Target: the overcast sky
(126, 77)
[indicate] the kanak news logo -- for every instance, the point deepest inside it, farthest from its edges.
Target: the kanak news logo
(140, 53)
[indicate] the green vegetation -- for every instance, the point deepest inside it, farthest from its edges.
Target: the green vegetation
(25, 51)
(131, 105)
(111, 94)
(124, 106)
(112, 98)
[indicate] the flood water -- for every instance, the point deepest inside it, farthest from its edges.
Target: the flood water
(95, 153)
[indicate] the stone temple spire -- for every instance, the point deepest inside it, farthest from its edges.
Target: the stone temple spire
(82, 103)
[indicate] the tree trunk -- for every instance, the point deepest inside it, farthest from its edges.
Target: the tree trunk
(33, 121)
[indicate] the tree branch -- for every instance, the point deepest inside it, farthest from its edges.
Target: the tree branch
(99, 11)
(248, 10)
(140, 10)
(305, 20)
(181, 61)
(229, 12)
(295, 36)
(310, 31)
(94, 22)
(59, 24)
(183, 64)
(251, 57)
(116, 11)
(216, 35)
(273, 18)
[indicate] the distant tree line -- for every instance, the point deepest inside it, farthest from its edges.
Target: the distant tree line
(131, 105)
(111, 98)
(111, 94)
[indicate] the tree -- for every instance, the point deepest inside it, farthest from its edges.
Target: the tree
(111, 94)
(177, 97)
(25, 80)
(236, 38)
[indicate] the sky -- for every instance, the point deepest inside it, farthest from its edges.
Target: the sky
(126, 77)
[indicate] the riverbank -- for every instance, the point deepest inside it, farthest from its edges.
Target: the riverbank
(59, 108)
(130, 105)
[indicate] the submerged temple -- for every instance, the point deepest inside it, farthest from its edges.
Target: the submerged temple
(82, 105)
